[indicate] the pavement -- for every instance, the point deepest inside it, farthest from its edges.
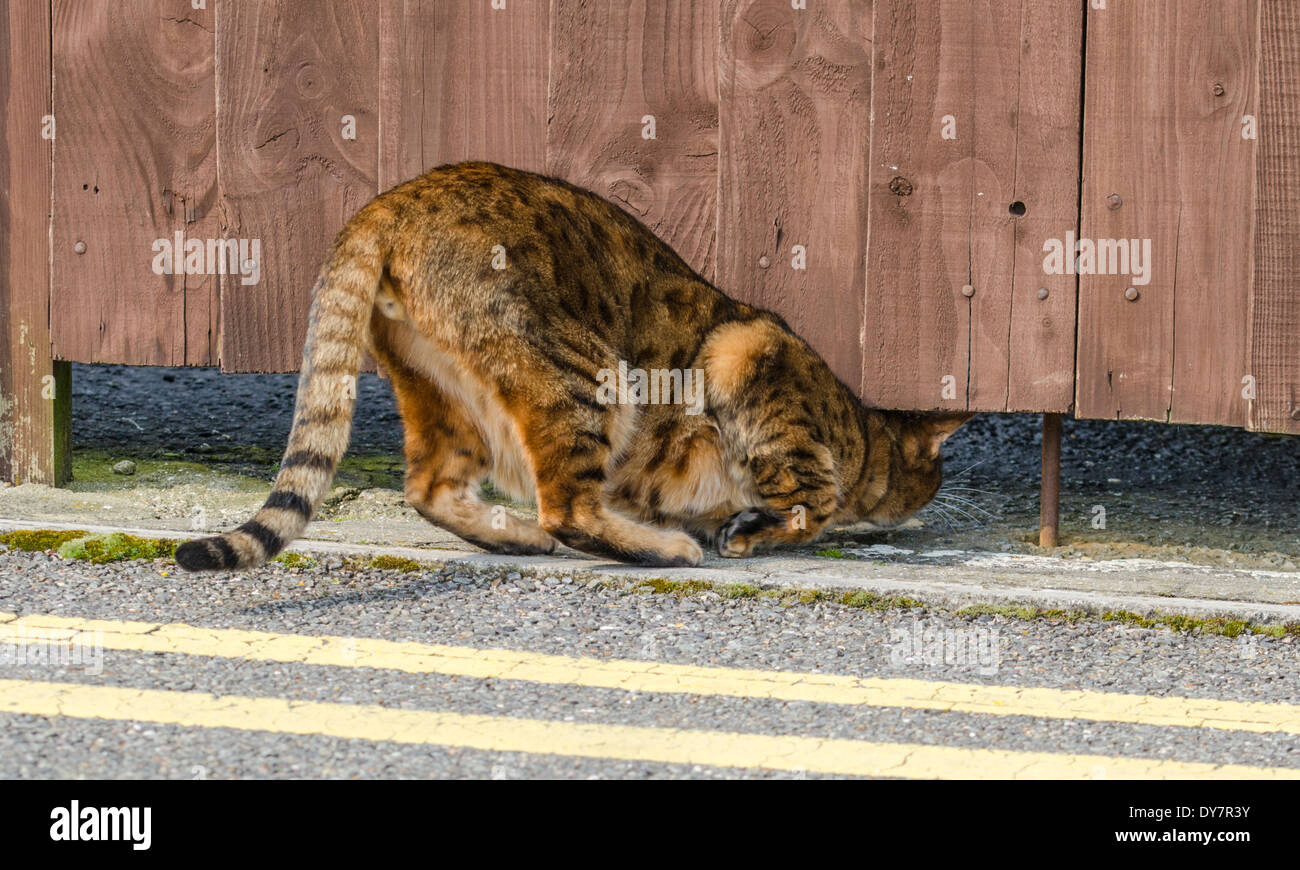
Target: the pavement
(1161, 642)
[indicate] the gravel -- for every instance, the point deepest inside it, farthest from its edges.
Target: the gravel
(180, 409)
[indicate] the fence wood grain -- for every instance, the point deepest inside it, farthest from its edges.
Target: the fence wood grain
(1047, 117)
(1216, 87)
(915, 325)
(991, 135)
(1165, 160)
(794, 134)
(1126, 345)
(615, 64)
(962, 134)
(289, 73)
(35, 391)
(135, 158)
(462, 81)
(1275, 299)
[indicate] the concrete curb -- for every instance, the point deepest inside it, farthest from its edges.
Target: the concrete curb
(780, 573)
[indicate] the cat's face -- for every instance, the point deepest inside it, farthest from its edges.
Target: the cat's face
(915, 467)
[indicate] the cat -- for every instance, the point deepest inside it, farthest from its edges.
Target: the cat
(500, 304)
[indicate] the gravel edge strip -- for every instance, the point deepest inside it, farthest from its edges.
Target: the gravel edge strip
(935, 595)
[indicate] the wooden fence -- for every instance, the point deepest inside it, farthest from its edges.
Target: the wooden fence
(892, 176)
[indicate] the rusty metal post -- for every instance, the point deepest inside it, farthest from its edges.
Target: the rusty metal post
(1049, 507)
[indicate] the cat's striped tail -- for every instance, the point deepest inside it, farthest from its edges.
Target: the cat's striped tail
(322, 424)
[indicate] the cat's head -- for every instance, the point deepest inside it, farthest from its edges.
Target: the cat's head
(914, 466)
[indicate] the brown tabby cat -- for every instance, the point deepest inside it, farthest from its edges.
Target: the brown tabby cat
(501, 304)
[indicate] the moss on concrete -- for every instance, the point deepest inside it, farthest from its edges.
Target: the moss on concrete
(786, 596)
(740, 590)
(1212, 625)
(40, 540)
(1026, 613)
(674, 587)
(1167, 621)
(117, 547)
(861, 598)
(396, 563)
(866, 600)
(295, 560)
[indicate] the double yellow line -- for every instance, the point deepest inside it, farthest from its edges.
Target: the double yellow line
(617, 741)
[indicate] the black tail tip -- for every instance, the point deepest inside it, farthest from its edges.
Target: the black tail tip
(198, 556)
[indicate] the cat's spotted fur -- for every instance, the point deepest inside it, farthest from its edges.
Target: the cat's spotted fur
(496, 371)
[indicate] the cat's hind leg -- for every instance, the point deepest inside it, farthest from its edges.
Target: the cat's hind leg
(446, 462)
(567, 435)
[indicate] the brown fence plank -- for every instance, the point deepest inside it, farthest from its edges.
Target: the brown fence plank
(1125, 354)
(463, 81)
(991, 130)
(1275, 302)
(135, 161)
(1216, 69)
(1041, 330)
(614, 64)
(288, 74)
(35, 392)
(966, 124)
(794, 130)
(916, 319)
(1164, 159)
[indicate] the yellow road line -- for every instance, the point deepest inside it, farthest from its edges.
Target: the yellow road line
(646, 676)
(585, 740)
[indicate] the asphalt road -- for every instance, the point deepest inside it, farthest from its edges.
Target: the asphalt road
(154, 715)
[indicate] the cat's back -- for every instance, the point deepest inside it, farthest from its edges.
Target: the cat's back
(490, 238)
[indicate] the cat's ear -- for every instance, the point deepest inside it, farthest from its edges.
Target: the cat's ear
(937, 428)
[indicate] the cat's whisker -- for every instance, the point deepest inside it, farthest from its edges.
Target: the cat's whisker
(939, 511)
(974, 518)
(967, 469)
(970, 489)
(966, 502)
(955, 509)
(953, 501)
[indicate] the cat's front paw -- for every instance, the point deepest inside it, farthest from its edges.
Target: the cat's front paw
(683, 551)
(742, 530)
